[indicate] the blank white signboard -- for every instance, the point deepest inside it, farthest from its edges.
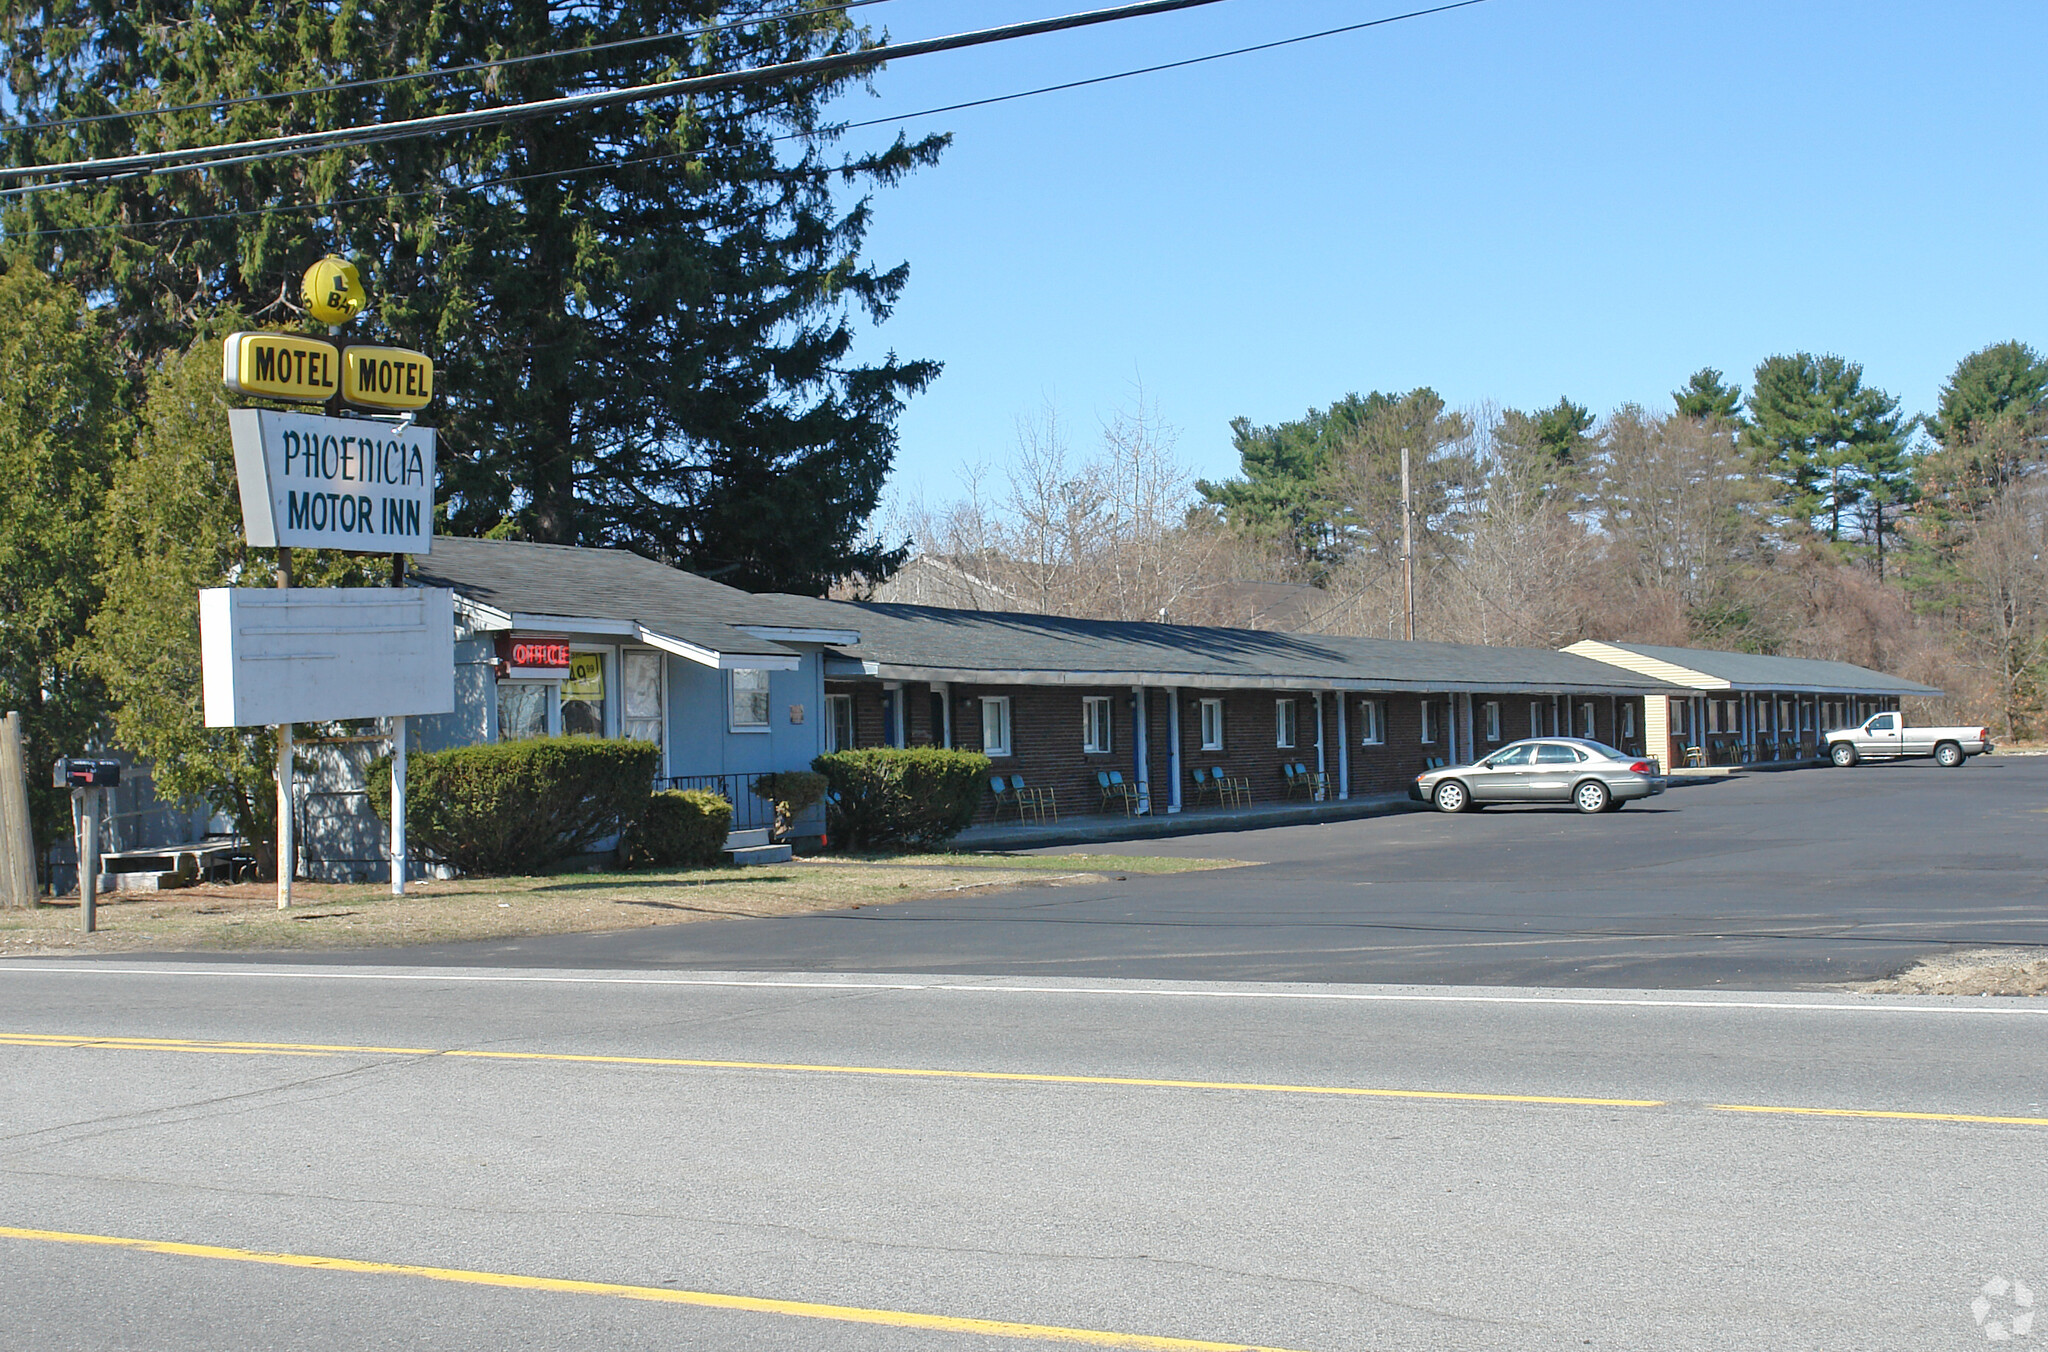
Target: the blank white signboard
(316, 654)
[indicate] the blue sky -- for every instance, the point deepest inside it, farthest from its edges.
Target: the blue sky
(1511, 202)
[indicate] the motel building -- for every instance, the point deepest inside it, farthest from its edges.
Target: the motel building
(1748, 709)
(1091, 717)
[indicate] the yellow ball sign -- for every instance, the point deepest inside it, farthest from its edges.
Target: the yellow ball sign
(332, 290)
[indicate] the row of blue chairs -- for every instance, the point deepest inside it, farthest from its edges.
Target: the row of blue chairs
(1235, 790)
(1021, 798)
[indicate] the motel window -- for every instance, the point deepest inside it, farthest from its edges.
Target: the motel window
(1284, 724)
(1586, 720)
(523, 709)
(749, 700)
(1628, 720)
(1492, 721)
(995, 725)
(1372, 722)
(1095, 726)
(839, 722)
(1535, 718)
(583, 696)
(640, 687)
(1428, 723)
(1212, 724)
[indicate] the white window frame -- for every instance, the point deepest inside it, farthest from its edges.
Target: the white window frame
(1211, 711)
(732, 688)
(1586, 716)
(833, 703)
(1628, 719)
(660, 694)
(1428, 723)
(1372, 722)
(1000, 706)
(1286, 724)
(1493, 720)
(1098, 725)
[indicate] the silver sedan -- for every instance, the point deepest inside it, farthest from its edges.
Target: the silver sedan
(1591, 776)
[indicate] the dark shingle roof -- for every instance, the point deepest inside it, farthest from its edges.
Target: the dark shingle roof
(607, 584)
(1756, 671)
(906, 640)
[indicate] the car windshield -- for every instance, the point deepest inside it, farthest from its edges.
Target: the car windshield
(1514, 755)
(1606, 751)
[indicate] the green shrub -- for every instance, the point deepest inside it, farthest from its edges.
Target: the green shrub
(794, 792)
(901, 796)
(518, 807)
(681, 828)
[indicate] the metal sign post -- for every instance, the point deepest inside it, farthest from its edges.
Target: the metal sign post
(287, 848)
(398, 806)
(88, 858)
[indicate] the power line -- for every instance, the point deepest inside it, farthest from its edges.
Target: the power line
(787, 136)
(344, 137)
(757, 17)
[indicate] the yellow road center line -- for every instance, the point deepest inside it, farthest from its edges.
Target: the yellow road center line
(1880, 1112)
(902, 1072)
(850, 1314)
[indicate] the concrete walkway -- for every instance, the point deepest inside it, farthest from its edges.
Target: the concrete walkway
(1085, 828)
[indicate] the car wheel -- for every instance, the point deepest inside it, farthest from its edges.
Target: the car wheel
(1451, 796)
(1842, 754)
(1949, 755)
(1591, 796)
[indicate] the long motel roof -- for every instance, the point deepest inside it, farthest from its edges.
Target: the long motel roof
(927, 643)
(1703, 669)
(502, 584)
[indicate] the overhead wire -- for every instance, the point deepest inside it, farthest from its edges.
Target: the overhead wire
(411, 128)
(833, 129)
(759, 16)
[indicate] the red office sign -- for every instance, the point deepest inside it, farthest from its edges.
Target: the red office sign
(533, 656)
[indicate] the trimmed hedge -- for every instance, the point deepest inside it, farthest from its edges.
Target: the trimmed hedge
(914, 797)
(518, 807)
(681, 828)
(794, 792)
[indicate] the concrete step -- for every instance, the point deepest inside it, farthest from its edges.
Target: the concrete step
(746, 840)
(761, 854)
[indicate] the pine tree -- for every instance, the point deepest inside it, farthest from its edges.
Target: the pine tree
(1708, 398)
(1991, 427)
(1826, 440)
(642, 315)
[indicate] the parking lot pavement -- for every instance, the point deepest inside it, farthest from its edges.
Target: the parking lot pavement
(1779, 880)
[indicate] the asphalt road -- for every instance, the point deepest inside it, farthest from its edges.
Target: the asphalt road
(1768, 881)
(340, 1158)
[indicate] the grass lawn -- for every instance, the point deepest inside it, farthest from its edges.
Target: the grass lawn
(213, 917)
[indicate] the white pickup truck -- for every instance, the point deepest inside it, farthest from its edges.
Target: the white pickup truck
(1886, 737)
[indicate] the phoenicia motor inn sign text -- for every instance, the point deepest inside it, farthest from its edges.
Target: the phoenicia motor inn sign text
(313, 482)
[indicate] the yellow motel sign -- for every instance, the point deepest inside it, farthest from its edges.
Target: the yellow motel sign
(392, 378)
(313, 371)
(281, 366)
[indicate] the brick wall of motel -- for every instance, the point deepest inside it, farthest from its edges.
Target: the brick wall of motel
(1046, 735)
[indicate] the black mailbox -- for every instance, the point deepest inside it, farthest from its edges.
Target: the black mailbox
(76, 773)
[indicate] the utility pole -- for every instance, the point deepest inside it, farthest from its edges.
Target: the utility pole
(1407, 549)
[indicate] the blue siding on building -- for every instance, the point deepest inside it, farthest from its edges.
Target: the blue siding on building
(700, 742)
